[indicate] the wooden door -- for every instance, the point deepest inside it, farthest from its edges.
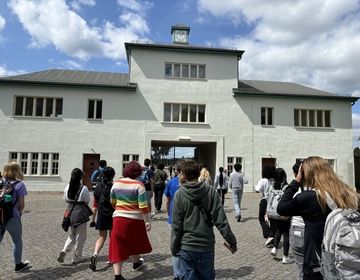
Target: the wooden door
(268, 162)
(90, 163)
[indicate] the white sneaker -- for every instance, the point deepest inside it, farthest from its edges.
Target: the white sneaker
(287, 260)
(269, 241)
(152, 215)
(273, 251)
(78, 259)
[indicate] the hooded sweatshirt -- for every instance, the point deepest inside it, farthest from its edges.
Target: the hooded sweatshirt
(190, 230)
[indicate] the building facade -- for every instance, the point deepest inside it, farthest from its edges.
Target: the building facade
(173, 95)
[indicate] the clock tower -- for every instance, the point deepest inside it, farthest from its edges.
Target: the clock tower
(180, 34)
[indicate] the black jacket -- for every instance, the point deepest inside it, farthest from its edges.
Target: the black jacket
(306, 205)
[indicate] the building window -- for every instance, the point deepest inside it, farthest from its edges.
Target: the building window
(312, 118)
(266, 116)
(95, 109)
(36, 163)
(181, 70)
(184, 113)
(230, 163)
(126, 158)
(45, 107)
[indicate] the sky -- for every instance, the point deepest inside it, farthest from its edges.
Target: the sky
(315, 43)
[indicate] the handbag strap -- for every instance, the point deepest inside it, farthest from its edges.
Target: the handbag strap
(76, 198)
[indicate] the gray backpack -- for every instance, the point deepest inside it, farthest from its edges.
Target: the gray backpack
(297, 231)
(273, 201)
(341, 244)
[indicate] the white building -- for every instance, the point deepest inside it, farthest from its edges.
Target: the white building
(174, 94)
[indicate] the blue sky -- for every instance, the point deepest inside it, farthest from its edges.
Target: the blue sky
(311, 42)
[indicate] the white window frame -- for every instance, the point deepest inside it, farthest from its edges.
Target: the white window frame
(28, 163)
(266, 111)
(231, 160)
(188, 120)
(96, 104)
(189, 65)
(303, 117)
(127, 158)
(53, 114)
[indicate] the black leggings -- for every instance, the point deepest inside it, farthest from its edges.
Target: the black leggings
(222, 193)
(158, 195)
(262, 211)
(282, 228)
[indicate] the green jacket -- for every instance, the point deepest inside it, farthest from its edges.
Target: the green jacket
(189, 229)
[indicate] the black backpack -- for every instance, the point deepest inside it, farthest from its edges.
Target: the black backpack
(102, 193)
(6, 201)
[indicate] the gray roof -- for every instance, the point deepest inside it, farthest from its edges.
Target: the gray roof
(182, 48)
(283, 89)
(73, 77)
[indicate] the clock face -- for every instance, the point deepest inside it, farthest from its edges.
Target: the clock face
(180, 36)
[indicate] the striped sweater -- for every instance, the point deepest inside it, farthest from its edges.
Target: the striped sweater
(128, 197)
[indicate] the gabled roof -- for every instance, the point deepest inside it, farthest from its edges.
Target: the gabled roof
(284, 89)
(73, 78)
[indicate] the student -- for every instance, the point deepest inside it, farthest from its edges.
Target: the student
(317, 175)
(221, 184)
(282, 226)
(131, 220)
(12, 174)
(95, 179)
(160, 177)
(170, 191)
(76, 194)
(205, 176)
(105, 211)
(197, 208)
(264, 186)
(236, 184)
(146, 177)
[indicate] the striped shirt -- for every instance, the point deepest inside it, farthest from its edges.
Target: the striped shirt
(128, 197)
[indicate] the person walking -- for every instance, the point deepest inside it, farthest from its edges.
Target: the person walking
(170, 191)
(264, 186)
(197, 208)
(160, 177)
(131, 221)
(95, 179)
(320, 181)
(282, 226)
(221, 184)
(205, 176)
(147, 178)
(236, 184)
(105, 211)
(77, 196)
(12, 176)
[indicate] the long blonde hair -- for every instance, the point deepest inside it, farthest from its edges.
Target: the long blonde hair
(319, 175)
(13, 171)
(204, 175)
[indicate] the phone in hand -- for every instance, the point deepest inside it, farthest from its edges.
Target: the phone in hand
(227, 245)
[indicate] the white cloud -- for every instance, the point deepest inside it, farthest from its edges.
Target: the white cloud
(135, 6)
(51, 22)
(77, 4)
(4, 72)
(2, 23)
(316, 43)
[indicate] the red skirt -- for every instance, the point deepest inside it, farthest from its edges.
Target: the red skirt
(128, 237)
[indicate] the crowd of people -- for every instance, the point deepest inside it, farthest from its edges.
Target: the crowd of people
(195, 205)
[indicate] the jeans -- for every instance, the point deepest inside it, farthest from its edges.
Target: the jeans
(14, 227)
(237, 196)
(196, 265)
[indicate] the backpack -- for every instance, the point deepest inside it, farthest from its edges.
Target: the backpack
(340, 250)
(6, 201)
(102, 191)
(96, 176)
(297, 230)
(144, 177)
(272, 204)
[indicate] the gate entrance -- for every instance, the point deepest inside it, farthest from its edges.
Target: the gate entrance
(169, 152)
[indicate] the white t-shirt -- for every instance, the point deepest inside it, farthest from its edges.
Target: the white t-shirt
(264, 186)
(84, 195)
